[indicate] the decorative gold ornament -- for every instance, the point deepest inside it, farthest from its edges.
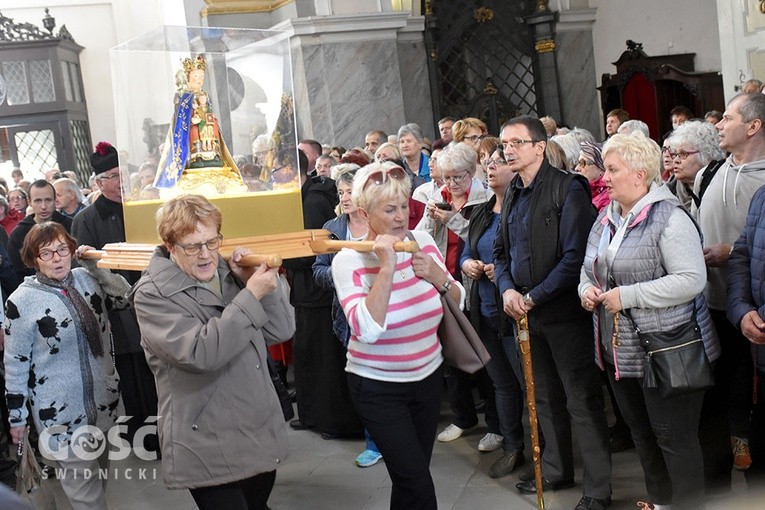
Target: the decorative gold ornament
(483, 14)
(545, 46)
(490, 89)
(240, 6)
(541, 5)
(190, 65)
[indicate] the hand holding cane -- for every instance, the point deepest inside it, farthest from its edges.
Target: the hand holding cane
(525, 347)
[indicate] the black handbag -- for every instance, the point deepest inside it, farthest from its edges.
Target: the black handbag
(675, 361)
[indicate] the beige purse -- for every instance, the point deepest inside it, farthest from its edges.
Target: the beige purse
(29, 480)
(461, 346)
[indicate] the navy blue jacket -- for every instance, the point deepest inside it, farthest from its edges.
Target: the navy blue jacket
(322, 273)
(746, 270)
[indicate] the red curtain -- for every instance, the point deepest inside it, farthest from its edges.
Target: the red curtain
(639, 99)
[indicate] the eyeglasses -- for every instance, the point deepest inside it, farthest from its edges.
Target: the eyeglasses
(456, 179)
(380, 176)
(683, 155)
(108, 177)
(665, 149)
(495, 162)
(583, 163)
(471, 138)
(62, 251)
(194, 248)
(517, 143)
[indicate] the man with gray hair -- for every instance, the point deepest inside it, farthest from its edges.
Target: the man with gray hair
(69, 197)
(633, 125)
(410, 142)
(324, 164)
(374, 139)
(721, 216)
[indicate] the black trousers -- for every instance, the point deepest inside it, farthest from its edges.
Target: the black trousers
(569, 393)
(663, 431)
(727, 406)
(249, 494)
(402, 420)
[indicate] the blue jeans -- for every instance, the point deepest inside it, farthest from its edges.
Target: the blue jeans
(370, 442)
(507, 387)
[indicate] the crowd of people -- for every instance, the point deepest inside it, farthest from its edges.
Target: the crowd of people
(598, 244)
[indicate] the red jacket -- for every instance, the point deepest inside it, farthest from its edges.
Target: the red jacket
(11, 220)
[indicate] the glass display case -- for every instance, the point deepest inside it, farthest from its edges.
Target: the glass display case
(208, 111)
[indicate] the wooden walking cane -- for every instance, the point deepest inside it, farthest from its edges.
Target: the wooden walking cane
(525, 347)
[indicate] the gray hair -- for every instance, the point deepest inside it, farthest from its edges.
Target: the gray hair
(327, 156)
(571, 148)
(71, 186)
(633, 125)
(700, 135)
(343, 173)
(752, 107)
(582, 135)
(458, 157)
(411, 129)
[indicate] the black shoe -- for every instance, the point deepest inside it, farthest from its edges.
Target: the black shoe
(530, 486)
(506, 464)
(299, 425)
(590, 503)
(620, 440)
(527, 473)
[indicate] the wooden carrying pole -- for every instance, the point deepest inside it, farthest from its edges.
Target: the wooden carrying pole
(528, 374)
(268, 249)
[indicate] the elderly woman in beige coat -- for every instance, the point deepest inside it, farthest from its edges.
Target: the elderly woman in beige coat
(204, 327)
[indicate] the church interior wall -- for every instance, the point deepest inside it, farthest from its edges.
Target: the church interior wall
(679, 26)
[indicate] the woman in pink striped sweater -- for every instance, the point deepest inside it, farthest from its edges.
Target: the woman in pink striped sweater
(393, 307)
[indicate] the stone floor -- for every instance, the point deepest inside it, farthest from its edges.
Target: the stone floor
(320, 474)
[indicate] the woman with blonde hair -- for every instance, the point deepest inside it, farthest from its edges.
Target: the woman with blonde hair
(391, 301)
(644, 263)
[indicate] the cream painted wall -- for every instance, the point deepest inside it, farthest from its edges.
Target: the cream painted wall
(743, 48)
(99, 25)
(663, 26)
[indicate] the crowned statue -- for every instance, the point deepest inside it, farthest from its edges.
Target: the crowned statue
(195, 158)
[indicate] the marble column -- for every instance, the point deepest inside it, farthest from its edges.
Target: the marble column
(576, 70)
(353, 72)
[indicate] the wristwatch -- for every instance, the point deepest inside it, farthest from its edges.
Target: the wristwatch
(527, 300)
(445, 287)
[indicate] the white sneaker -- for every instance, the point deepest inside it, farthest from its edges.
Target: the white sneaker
(452, 432)
(490, 442)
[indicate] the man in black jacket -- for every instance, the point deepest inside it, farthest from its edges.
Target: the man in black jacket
(97, 225)
(544, 224)
(42, 198)
(323, 400)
